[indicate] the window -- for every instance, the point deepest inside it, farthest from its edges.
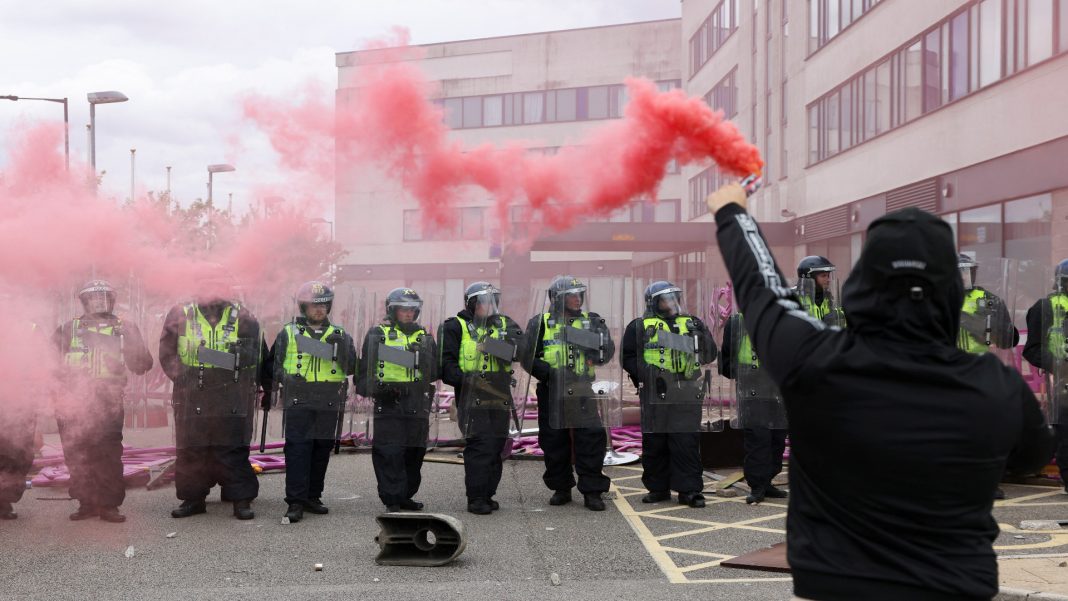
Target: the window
(597, 102)
(471, 223)
(712, 33)
(700, 186)
(980, 232)
(533, 107)
(724, 95)
(492, 111)
(827, 18)
(454, 112)
(972, 48)
(1028, 229)
(472, 111)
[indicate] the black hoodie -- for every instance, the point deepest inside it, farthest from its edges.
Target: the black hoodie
(898, 439)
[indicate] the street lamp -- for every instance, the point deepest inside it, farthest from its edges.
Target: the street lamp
(96, 98)
(212, 170)
(66, 121)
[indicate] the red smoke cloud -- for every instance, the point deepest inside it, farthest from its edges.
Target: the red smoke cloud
(388, 120)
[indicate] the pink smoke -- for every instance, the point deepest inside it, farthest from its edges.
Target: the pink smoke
(388, 120)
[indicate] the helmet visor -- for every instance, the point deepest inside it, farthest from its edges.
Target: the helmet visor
(668, 302)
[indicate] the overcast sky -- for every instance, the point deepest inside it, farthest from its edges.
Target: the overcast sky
(183, 65)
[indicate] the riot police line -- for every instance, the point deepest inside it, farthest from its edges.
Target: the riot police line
(227, 381)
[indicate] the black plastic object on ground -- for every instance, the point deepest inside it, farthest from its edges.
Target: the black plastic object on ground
(419, 539)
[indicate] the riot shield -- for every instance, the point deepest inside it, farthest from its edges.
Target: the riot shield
(493, 396)
(313, 397)
(820, 300)
(400, 359)
(670, 351)
(758, 402)
(986, 319)
(214, 397)
(1055, 349)
(575, 341)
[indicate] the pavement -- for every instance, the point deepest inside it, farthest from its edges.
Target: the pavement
(526, 550)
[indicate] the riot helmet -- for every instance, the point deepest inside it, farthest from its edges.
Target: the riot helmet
(969, 268)
(399, 298)
(98, 297)
(314, 293)
(564, 287)
(482, 294)
(663, 299)
(1060, 277)
(812, 265)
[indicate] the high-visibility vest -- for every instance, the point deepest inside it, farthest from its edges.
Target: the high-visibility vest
(471, 360)
(311, 368)
(92, 360)
(199, 332)
(553, 346)
(966, 341)
(1055, 338)
(656, 355)
(391, 372)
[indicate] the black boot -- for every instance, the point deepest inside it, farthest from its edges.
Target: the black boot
(593, 501)
(775, 493)
(693, 499)
(243, 509)
(295, 513)
(188, 508)
(316, 506)
(999, 494)
(656, 497)
(111, 514)
(756, 495)
(494, 505)
(84, 513)
(411, 505)
(479, 506)
(560, 497)
(7, 511)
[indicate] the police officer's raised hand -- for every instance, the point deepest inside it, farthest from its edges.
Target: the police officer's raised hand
(727, 194)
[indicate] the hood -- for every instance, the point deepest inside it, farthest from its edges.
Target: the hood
(906, 286)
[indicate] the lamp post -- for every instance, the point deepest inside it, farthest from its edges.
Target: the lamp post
(168, 182)
(66, 121)
(321, 220)
(96, 98)
(212, 170)
(132, 172)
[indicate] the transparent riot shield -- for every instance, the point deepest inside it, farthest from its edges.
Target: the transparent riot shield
(672, 348)
(400, 359)
(493, 396)
(313, 396)
(986, 320)
(819, 298)
(574, 340)
(758, 402)
(1055, 349)
(214, 398)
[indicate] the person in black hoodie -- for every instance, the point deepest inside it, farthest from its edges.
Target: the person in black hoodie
(890, 395)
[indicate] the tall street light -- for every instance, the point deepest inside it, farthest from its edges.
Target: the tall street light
(66, 121)
(325, 221)
(96, 98)
(212, 170)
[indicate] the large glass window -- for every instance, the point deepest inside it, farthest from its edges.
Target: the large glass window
(989, 42)
(1039, 30)
(597, 102)
(533, 107)
(473, 112)
(492, 111)
(958, 56)
(1028, 228)
(471, 223)
(980, 232)
(454, 112)
(713, 32)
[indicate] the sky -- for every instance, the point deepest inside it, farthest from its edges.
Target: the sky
(186, 65)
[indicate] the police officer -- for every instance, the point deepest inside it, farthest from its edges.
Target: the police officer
(558, 364)
(213, 351)
(814, 277)
(984, 319)
(18, 413)
(312, 360)
(98, 348)
(398, 370)
(475, 361)
(1046, 350)
(671, 459)
(763, 445)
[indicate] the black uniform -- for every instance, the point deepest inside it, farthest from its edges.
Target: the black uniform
(90, 426)
(213, 448)
(891, 396)
(483, 455)
(401, 416)
(312, 413)
(587, 445)
(16, 453)
(764, 447)
(1037, 354)
(670, 460)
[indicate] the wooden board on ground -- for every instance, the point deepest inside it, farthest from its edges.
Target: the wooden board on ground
(768, 559)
